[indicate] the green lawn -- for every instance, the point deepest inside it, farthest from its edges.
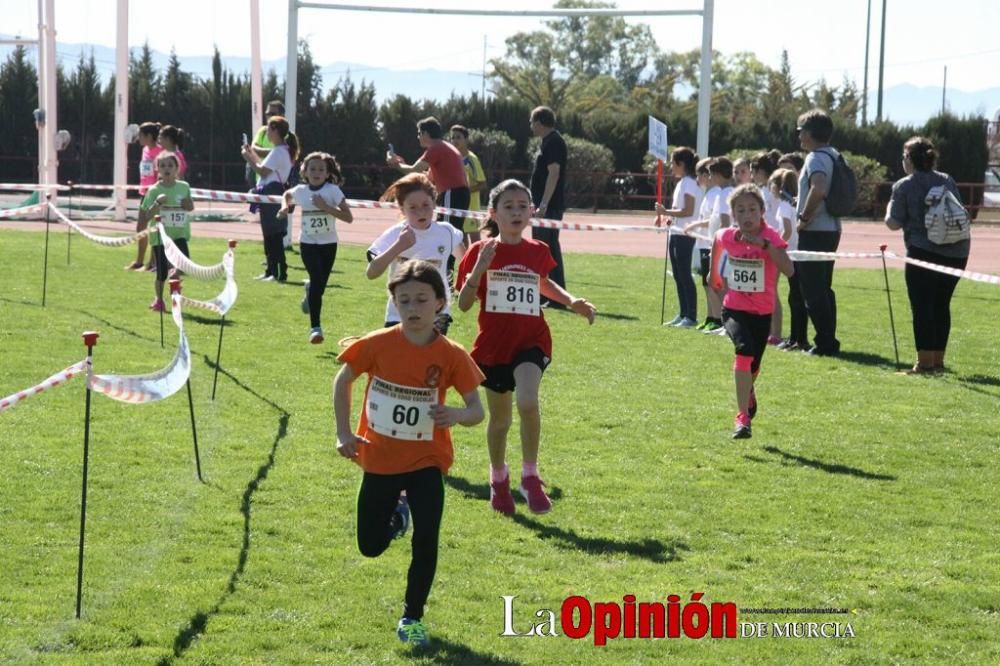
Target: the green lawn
(861, 489)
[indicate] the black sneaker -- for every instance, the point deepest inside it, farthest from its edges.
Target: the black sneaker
(400, 521)
(741, 429)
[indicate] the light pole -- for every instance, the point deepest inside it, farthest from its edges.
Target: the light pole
(881, 68)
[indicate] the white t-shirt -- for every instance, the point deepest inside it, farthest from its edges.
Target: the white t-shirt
(279, 161)
(434, 244)
(687, 185)
(771, 210)
(720, 208)
(787, 210)
(318, 227)
(705, 213)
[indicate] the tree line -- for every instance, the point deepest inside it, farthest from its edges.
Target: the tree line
(602, 76)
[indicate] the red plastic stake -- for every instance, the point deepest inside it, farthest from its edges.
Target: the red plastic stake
(90, 338)
(175, 286)
(232, 243)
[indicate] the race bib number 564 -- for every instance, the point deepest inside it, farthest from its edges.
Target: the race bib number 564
(512, 292)
(403, 412)
(746, 275)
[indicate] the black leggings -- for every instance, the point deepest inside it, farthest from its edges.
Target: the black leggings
(798, 317)
(377, 500)
(274, 252)
(318, 259)
(457, 198)
(930, 298)
(748, 332)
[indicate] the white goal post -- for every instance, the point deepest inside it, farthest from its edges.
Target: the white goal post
(704, 90)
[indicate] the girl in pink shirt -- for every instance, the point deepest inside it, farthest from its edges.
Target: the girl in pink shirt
(148, 132)
(752, 255)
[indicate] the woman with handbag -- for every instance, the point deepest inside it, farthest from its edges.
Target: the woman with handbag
(930, 291)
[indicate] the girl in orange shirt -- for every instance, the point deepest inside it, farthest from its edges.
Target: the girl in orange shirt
(402, 442)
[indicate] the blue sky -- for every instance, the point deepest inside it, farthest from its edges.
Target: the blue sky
(823, 38)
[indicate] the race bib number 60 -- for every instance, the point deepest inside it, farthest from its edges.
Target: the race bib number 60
(403, 412)
(512, 292)
(746, 275)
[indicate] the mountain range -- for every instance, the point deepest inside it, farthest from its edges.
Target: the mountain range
(903, 103)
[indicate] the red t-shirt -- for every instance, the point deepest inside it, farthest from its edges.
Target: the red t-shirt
(447, 167)
(386, 354)
(502, 335)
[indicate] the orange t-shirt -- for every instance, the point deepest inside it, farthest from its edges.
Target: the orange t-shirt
(387, 355)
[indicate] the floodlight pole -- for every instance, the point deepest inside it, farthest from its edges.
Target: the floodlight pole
(704, 93)
(292, 63)
(48, 161)
(256, 94)
(120, 176)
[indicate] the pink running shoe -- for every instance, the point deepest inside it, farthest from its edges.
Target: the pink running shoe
(531, 490)
(157, 305)
(500, 498)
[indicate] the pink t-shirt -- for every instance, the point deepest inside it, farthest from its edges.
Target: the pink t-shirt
(147, 167)
(750, 273)
(182, 164)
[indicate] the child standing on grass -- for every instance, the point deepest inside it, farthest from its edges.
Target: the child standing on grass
(147, 178)
(170, 199)
(322, 203)
(784, 184)
(171, 139)
(403, 442)
(755, 253)
(274, 171)
(710, 193)
(417, 236)
(508, 274)
(687, 195)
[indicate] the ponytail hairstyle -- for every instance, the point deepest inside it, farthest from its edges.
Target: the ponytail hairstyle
(747, 189)
(150, 128)
(175, 134)
(407, 185)
(333, 173)
(766, 162)
(921, 152)
(686, 158)
(490, 226)
(280, 125)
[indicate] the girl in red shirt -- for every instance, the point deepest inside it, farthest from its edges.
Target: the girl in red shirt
(508, 274)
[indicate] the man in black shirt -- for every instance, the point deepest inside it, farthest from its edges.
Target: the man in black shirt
(547, 179)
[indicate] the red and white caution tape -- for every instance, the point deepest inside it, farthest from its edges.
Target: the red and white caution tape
(238, 197)
(224, 302)
(107, 241)
(30, 187)
(182, 263)
(57, 379)
(140, 389)
(948, 270)
(22, 211)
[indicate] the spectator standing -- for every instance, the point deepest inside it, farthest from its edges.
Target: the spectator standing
(475, 175)
(444, 167)
(930, 292)
(548, 178)
(262, 146)
(819, 231)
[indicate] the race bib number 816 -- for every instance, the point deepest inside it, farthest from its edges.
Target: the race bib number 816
(512, 292)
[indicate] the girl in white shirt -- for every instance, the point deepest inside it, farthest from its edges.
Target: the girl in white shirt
(762, 166)
(681, 213)
(417, 236)
(322, 203)
(784, 185)
(274, 171)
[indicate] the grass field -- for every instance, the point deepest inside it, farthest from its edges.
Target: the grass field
(861, 489)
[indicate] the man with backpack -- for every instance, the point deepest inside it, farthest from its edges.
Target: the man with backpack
(827, 191)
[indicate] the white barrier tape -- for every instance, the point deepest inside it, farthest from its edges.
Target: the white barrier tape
(182, 263)
(948, 270)
(139, 389)
(239, 197)
(806, 255)
(107, 241)
(30, 187)
(224, 302)
(55, 380)
(24, 210)
(78, 186)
